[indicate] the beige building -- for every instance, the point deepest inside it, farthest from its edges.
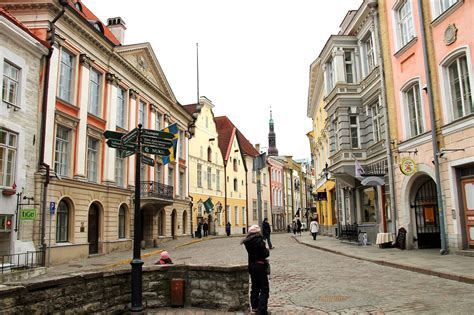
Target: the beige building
(97, 83)
(206, 168)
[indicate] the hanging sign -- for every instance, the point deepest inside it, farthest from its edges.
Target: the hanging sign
(27, 214)
(408, 166)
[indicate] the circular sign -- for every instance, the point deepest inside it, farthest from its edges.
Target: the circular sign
(408, 166)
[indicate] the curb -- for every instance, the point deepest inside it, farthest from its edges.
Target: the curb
(440, 274)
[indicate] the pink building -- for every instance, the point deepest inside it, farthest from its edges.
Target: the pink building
(448, 26)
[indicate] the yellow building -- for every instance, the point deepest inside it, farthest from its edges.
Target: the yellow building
(206, 169)
(324, 190)
(235, 173)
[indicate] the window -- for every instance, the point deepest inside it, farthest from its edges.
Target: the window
(235, 184)
(94, 92)
(209, 154)
(376, 121)
(459, 87)
(200, 209)
(199, 175)
(11, 84)
(209, 176)
(329, 76)
(265, 209)
(405, 28)
(218, 179)
(244, 217)
(158, 121)
(369, 52)
(236, 215)
(119, 171)
(440, 6)
(254, 208)
(235, 165)
(92, 159)
(158, 172)
(200, 152)
(121, 223)
(254, 176)
(121, 108)
(354, 126)
(181, 140)
(170, 176)
(62, 222)
(142, 113)
(62, 151)
(335, 127)
(66, 76)
(181, 184)
(349, 66)
(369, 204)
(8, 147)
(414, 110)
(207, 122)
(264, 179)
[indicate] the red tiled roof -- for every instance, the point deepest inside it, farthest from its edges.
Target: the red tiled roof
(227, 130)
(246, 146)
(10, 17)
(89, 16)
(190, 108)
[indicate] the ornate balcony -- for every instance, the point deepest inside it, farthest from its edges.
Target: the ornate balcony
(157, 191)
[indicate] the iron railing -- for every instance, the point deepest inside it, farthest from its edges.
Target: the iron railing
(156, 190)
(21, 261)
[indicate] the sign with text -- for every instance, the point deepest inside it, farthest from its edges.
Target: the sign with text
(148, 161)
(149, 133)
(117, 144)
(27, 214)
(109, 134)
(160, 143)
(155, 150)
(131, 136)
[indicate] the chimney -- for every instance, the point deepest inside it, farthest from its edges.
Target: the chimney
(257, 147)
(117, 26)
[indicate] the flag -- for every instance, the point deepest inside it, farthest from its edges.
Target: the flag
(208, 205)
(358, 170)
(173, 128)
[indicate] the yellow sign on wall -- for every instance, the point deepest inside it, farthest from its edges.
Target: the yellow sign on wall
(408, 166)
(28, 214)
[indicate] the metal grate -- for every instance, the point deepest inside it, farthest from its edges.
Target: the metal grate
(333, 298)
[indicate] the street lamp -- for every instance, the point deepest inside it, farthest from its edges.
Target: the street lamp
(218, 212)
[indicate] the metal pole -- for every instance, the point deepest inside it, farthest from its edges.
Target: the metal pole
(137, 263)
(49, 241)
(259, 197)
(43, 214)
(444, 248)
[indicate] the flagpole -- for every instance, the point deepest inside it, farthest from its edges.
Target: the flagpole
(197, 74)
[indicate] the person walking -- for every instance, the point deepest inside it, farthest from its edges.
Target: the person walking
(227, 228)
(205, 228)
(298, 226)
(295, 227)
(314, 228)
(199, 229)
(266, 230)
(257, 268)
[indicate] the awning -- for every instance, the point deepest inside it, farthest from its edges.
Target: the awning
(373, 181)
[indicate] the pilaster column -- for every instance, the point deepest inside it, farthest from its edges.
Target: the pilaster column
(111, 116)
(50, 108)
(339, 71)
(82, 129)
(132, 124)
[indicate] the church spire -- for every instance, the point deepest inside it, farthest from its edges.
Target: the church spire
(272, 150)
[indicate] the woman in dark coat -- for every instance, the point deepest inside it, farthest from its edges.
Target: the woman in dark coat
(258, 253)
(227, 228)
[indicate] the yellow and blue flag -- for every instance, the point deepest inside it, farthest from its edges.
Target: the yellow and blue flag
(173, 129)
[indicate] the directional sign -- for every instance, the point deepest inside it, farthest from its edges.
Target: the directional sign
(147, 160)
(156, 134)
(130, 136)
(160, 143)
(155, 150)
(125, 153)
(109, 134)
(117, 144)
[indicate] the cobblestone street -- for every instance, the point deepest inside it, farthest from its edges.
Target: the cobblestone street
(307, 281)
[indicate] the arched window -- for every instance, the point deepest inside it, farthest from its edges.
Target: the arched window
(458, 86)
(121, 221)
(209, 154)
(62, 222)
(414, 118)
(235, 165)
(185, 221)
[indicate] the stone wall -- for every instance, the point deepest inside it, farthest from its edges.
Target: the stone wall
(223, 288)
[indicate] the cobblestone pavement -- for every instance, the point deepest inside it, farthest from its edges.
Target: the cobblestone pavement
(309, 281)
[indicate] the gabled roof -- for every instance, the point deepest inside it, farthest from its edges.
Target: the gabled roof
(20, 25)
(90, 17)
(245, 145)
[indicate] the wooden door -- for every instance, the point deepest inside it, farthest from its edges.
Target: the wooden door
(468, 198)
(93, 231)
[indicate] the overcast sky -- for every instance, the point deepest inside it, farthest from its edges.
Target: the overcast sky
(253, 54)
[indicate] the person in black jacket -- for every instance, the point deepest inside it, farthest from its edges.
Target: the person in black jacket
(266, 232)
(258, 253)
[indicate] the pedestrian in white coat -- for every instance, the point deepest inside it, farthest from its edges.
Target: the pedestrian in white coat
(314, 227)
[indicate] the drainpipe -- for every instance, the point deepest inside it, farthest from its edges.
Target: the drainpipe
(393, 205)
(44, 101)
(444, 247)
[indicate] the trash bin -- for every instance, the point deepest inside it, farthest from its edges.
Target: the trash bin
(177, 292)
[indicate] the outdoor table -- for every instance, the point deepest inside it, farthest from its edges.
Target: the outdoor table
(385, 240)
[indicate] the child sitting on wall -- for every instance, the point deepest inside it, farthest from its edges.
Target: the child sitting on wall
(165, 259)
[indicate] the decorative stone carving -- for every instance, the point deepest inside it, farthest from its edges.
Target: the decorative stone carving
(112, 78)
(85, 60)
(133, 93)
(450, 34)
(142, 64)
(66, 120)
(94, 132)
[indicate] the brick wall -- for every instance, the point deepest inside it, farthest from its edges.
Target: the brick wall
(223, 288)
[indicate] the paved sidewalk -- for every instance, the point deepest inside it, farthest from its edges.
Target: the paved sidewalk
(426, 261)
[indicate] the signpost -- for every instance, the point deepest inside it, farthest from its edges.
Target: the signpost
(157, 143)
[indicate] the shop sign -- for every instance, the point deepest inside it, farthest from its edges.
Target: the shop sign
(27, 214)
(408, 166)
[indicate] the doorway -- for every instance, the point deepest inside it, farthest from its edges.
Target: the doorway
(468, 202)
(93, 229)
(174, 216)
(425, 206)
